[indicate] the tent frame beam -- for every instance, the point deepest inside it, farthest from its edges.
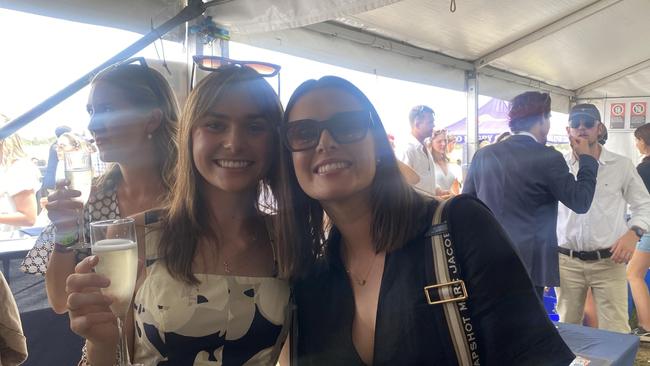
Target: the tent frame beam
(544, 31)
(193, 9)
(613, 77)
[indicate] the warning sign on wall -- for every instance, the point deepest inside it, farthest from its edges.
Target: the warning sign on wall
(638, 111)
(617, 115)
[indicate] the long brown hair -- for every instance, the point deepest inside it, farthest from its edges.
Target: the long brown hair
(396, 207)
(436, 155)
(643, 133)
(146, 88)
(188, 220)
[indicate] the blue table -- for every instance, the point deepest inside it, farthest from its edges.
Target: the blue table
(600, 346)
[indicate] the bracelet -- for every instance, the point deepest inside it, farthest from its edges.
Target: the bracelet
(66, 239)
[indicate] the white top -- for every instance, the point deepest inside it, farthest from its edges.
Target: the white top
(412, 153)
(617, 185)
(445, 181)
(20, 176)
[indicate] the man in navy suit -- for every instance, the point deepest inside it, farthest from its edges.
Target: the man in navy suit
(521, 180)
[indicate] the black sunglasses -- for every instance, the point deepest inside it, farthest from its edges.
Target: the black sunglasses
(344, 127)
(213, 63)
(585, 121)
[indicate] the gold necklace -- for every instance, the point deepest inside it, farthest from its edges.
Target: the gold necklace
(364, 280)
(227, 263)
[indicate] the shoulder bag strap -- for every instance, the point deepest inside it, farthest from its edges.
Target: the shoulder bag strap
(447, 289)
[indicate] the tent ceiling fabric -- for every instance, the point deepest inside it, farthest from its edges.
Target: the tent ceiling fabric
(257, 16)
(574, 43)
(589, 49)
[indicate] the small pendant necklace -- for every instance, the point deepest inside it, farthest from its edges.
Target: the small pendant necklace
(227, 263)
(364, 280)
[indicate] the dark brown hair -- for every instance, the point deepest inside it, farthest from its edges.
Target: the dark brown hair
(188, 220)
(643, 133)
(527, 109)
(396, 207)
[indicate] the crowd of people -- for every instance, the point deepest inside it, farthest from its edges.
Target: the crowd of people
(567, 216)
(304, 234)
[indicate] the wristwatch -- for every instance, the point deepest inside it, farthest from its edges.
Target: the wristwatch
(638, 231)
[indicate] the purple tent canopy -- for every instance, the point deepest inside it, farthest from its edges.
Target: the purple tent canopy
(492, 121)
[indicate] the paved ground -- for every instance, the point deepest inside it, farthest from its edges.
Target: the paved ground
(643, 357)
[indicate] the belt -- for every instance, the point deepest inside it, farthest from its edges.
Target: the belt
(586, 256)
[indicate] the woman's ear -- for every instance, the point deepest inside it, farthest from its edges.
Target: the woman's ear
(155, 120)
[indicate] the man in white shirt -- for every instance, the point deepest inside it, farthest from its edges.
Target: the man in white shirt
(594, 247)
(414, 153)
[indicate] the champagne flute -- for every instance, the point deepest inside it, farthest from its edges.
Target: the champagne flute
(79, 172)
(114, 243)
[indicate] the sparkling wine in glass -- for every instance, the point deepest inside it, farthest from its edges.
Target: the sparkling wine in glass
(79, 172)
(114, 243)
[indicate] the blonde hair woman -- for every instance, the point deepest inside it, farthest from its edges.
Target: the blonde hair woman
(18, 184)
(445, 177)
(133, 119)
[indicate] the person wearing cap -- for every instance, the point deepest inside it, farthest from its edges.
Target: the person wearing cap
(414, 153)
(595, 246)
(521, 180)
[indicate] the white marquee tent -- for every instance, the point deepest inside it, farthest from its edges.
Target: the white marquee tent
(578, 50)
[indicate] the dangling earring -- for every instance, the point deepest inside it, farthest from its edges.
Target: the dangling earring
(149, 136)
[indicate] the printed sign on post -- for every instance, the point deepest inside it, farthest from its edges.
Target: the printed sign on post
(637, 114)
(617, 115)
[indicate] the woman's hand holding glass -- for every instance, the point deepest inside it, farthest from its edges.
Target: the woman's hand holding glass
(89, 309)
(69, 198)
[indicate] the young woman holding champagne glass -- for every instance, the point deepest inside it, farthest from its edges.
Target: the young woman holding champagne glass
(133, 119)
(209, 291)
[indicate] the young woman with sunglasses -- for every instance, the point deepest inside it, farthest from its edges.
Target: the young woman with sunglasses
(209, 292)
(359, 282)
(133, 119)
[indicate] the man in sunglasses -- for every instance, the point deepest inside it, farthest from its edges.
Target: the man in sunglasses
(414, 153)
(595, 246)
(521, 180)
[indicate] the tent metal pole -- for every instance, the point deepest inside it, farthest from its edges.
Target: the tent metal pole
(471, 142)
(191, 11)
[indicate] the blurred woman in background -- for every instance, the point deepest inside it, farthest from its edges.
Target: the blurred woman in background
(445, 177)
(19, 180)
(133, 119)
